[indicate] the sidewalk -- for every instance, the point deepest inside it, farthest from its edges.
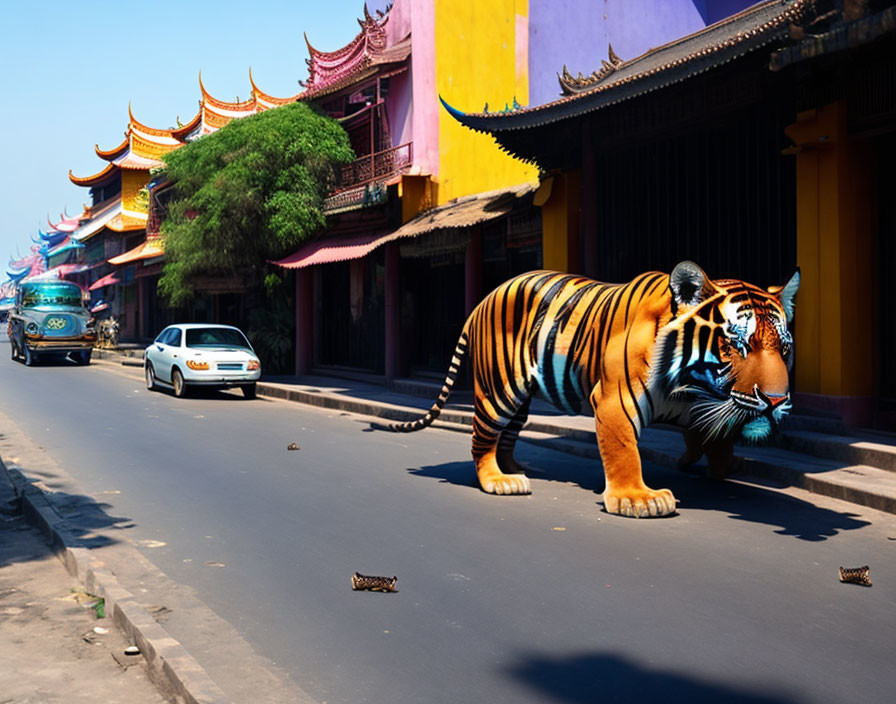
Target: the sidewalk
(49, 650)
(815, 453)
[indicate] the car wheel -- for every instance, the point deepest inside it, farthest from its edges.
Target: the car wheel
(84, 357)
(249, 391)
(177, 380)
(30, 357)
(150, 377)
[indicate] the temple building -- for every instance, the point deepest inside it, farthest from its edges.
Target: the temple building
(432, 216)
(120, 230)
(113, 229)
(755, 145)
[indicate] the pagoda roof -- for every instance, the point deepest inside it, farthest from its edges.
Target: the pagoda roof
(329, 71)
(617, 81)
(215, 113)
(99, 218)
(247, 107)
(183, 131)
(149, 249)
(107, 175)
(65, 224)
(265, 101)
(141, 150)
(127, 222)
(110, 154)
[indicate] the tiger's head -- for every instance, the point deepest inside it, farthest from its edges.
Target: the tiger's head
(729, 351)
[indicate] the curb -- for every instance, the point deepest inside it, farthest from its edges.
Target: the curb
(171, 668)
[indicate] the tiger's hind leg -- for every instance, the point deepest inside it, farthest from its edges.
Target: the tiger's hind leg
(508, 438)
(719, 454)
(488, 427)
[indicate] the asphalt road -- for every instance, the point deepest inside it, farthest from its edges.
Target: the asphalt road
(542, 598)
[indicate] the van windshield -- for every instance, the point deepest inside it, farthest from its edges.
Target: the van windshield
(216, 337)
(34, 295)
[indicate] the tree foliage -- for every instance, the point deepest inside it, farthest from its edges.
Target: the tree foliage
(248, 193)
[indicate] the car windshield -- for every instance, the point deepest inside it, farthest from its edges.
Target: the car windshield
(50, 295)
(216, 337)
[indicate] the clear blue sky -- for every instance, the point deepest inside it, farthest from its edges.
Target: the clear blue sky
(69, 70)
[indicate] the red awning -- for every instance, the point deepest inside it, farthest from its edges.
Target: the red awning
(333, 249)
(107, 280)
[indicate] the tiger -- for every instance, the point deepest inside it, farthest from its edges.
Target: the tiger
(713, 357)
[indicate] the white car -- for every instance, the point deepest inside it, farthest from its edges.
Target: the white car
(199, 354)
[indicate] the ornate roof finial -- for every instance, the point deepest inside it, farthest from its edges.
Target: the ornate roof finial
(573, 85)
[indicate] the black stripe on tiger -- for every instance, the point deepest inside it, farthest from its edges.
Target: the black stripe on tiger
(426, 420)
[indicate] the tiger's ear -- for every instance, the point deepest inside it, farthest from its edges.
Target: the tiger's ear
(689, 285)
(787, 294)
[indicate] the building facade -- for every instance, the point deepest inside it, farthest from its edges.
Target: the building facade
(752, 147)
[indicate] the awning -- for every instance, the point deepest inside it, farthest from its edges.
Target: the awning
(461, 212)
(333, 249)
(145, 250)
(107, 280)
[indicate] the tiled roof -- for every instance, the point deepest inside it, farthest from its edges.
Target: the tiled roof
(459, 213)
(713, 46)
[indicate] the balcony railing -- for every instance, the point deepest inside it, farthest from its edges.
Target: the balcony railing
(374, 167)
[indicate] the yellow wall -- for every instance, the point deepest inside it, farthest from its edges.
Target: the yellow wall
(476, 63)
(835, 253)
(132, 181)
(560, 199)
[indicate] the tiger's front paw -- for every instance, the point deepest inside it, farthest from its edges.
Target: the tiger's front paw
(639, 503)
(507, 484)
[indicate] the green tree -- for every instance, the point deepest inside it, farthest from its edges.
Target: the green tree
(246, 194)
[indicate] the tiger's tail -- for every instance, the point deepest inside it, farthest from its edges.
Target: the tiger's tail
(426, 420)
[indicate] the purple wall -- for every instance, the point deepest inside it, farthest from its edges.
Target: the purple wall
(576, 33)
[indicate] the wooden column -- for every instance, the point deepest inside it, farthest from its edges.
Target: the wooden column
(393, 313)
(560, 202)
(589, 203)
(834, 309)
(304, 321)
(140, 331)
(473, 271)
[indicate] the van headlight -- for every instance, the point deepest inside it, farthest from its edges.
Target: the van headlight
(32, 328)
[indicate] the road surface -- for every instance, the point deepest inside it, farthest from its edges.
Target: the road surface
(543, 598)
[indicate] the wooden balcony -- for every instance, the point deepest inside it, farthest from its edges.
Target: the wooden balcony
(356, 181)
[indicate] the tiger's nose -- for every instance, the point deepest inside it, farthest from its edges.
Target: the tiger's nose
(774, 400)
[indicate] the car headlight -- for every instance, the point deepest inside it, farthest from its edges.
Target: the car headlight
(254, 365)
(198, 366)
(31, 328)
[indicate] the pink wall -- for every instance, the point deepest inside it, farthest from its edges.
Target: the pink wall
(412, 103)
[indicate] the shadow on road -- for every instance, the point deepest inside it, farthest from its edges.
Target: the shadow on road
(83, 518)
(459, 473)
(604, 677)
(746, 502)
(742, 502)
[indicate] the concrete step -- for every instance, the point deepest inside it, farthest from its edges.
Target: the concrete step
(803, 420)
(856, 449)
